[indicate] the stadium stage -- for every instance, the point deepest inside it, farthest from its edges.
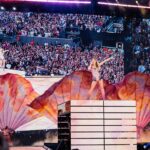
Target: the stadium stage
(57, 101)
(5, 71)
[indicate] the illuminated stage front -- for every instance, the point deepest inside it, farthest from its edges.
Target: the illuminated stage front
(23, 101)
(98, 125)
(5, 71)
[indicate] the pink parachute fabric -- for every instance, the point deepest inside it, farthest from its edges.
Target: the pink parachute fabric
(136, 86)
(15, 94)
(72, 87)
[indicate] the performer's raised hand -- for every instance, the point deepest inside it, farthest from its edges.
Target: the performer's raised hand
(108, 59)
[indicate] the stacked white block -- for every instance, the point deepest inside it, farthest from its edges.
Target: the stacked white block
(120, 125)
(103, 125)
(87, 125)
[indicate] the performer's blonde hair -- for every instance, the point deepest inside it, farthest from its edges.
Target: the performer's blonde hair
(95, 63)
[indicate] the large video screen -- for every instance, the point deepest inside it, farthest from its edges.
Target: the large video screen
(47, 59)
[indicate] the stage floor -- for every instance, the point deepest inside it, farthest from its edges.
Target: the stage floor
(5, 71)
(26, 148)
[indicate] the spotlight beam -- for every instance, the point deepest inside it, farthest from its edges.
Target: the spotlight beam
(61, 1)
(123, 5)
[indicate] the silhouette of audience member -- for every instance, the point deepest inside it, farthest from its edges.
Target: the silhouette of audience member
(3, 143)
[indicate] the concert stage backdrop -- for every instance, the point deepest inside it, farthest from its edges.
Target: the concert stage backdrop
(18, 98)
(28, 105)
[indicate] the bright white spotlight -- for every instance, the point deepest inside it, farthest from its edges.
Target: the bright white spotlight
(137, 2)
(144, 146)
(14, 8)
(2, 8)
(123, 5)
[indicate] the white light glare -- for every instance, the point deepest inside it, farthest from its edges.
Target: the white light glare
(123, 5)
(2, 8)
(14, 8)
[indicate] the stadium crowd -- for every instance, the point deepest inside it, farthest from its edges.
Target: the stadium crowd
(141, 45)
(57, 59)
(60, 60)
(51, 25)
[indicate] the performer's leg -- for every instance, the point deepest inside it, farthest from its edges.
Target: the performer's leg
(3, 63)
(93, 85)
(101, 83)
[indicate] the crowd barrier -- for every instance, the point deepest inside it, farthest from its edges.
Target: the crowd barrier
(43, 40)
(39, 40)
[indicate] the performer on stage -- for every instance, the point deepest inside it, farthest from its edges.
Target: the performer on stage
(95, 67)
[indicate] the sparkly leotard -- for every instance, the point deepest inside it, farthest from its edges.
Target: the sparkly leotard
(95, 72)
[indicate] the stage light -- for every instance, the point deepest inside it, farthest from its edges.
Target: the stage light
(2, 8)
(117, 1)
(144, 146)
(62, 1)
(137, 2)
(14, 8)
(123, 5)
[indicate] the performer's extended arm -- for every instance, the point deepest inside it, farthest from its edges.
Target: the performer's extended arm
(6, 51)
(101, 63)
(3, 51)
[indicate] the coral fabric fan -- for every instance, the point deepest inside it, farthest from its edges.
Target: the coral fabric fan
(15, 94)
(135, 86)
